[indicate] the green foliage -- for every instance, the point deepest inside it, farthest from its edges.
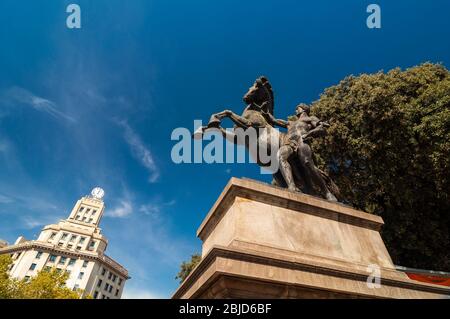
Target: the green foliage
(45, 285)
(5, 261)
(388, 149)
(187, 267)
(49, 285)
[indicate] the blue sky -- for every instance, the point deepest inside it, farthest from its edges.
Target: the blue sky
(96, 106)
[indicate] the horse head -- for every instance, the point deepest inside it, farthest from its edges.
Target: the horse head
(259, 94)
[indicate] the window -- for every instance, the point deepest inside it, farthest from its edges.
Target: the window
(103, 297)
(106, 287)
(78, 217)
(70, 246)
(78, 247)
(95, 294)
(103, 271)
(33, 267)
(39, 254)
(88, 210)
(117, 292)
(80, 276)
(58, 270)
(76, 287)
(52, 258)
(27, 278)
(62, 260)
(93, 212)
(81, 209)
(47, 268)
(52, 235)
(84, 219)
(72, 261)
(60, 244)
(120, 281)
(114, 278)
(64, 236)
(85, 263)
(90, 220)
(110, 289)
(99, 283)
(72, 238)
(110, 275)
(82, 239)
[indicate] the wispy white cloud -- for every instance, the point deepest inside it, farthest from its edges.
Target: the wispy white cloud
(150, 224)
(29, 199)
(150, 209)
(25, 97)
(126, 205)
(155, 208)
(5, 199)
(123, 209)
(140, 293)
(3, 146)
(30, 222)
(7, 150)
(35, 203)
(29, 207)
(9, 161)
(140, 151)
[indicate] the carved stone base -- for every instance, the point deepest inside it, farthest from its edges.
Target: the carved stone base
(260, 241)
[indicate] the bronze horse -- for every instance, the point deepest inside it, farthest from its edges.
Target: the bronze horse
(259, 115)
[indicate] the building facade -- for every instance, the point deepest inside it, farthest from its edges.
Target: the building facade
(75, 245)
(3, 243)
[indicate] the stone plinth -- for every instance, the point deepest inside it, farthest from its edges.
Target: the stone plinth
(261, 241)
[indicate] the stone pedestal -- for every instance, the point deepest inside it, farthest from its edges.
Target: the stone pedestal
(261, 241)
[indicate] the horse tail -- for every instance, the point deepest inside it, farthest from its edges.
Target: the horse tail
(334, 189)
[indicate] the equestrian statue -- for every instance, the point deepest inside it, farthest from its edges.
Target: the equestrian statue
(296, 170)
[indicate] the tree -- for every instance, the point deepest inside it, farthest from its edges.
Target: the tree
(47, 284)
(388, 149)
(5, 261)
(187, 267)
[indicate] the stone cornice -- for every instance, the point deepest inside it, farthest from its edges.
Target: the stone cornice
(62, 225)
(232, 253)
(272, 195)
(92, 200)
(103, 259)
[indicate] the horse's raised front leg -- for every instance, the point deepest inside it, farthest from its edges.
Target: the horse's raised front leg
(228, 134)
(214, 123)
(240, 121)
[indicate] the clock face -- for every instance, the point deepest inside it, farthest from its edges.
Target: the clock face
(98, 193)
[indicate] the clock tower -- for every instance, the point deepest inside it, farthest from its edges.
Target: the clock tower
(89, 209)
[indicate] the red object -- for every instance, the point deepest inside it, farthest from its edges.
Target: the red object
(444, 281)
